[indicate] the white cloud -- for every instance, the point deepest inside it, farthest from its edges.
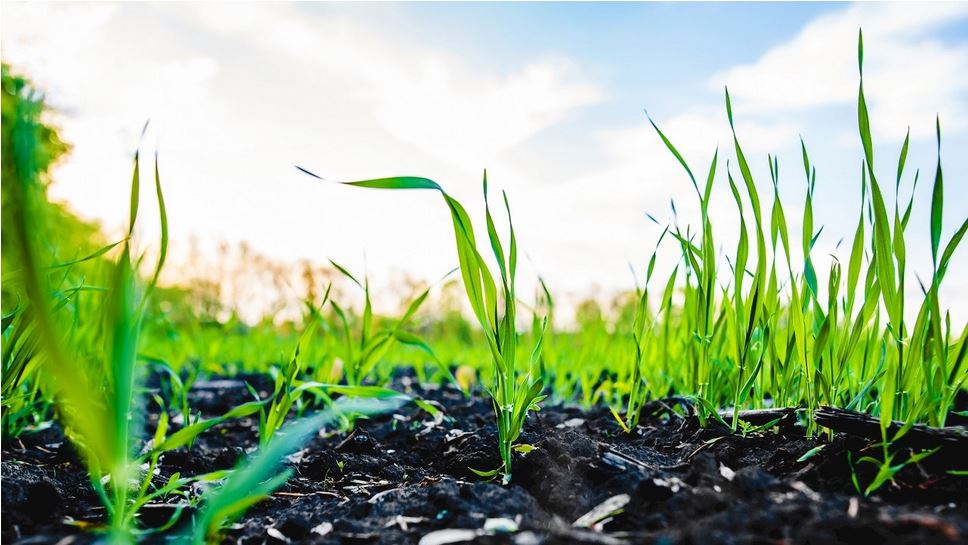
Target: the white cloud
(452, 115)
(446, 107)
(910, 74)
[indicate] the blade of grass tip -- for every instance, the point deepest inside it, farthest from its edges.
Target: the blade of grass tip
(512, 242)
(710, 176)
(135, 190)
(305, 171)
(863, 119)
(492, 236)
(809, 272)
(950, 249)
(902, 159)
(412, 308)
(367, 314)
(856, 255)
(163, 217)
(937, 203)
(345, 273)
(89, 257)
(419, 300)
(547, 292)
(136, 183)
(910, 204)
(675, 153)
(398, 182)
(395, 182)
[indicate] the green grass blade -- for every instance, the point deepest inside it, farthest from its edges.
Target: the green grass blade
(163, 218)
(675, 153)
(937, 203)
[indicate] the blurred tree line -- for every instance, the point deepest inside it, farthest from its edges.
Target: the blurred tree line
(67, 236)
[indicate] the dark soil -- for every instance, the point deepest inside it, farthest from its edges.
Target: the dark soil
(401, 476)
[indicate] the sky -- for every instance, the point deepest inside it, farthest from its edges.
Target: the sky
(550, 98)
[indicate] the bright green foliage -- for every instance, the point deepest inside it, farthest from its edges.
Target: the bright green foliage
(753, 330)
(768, 335)
(495, 306)
(361, 356)
(286, 391)
(642, 337)
(29, 149)
(93, 400)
